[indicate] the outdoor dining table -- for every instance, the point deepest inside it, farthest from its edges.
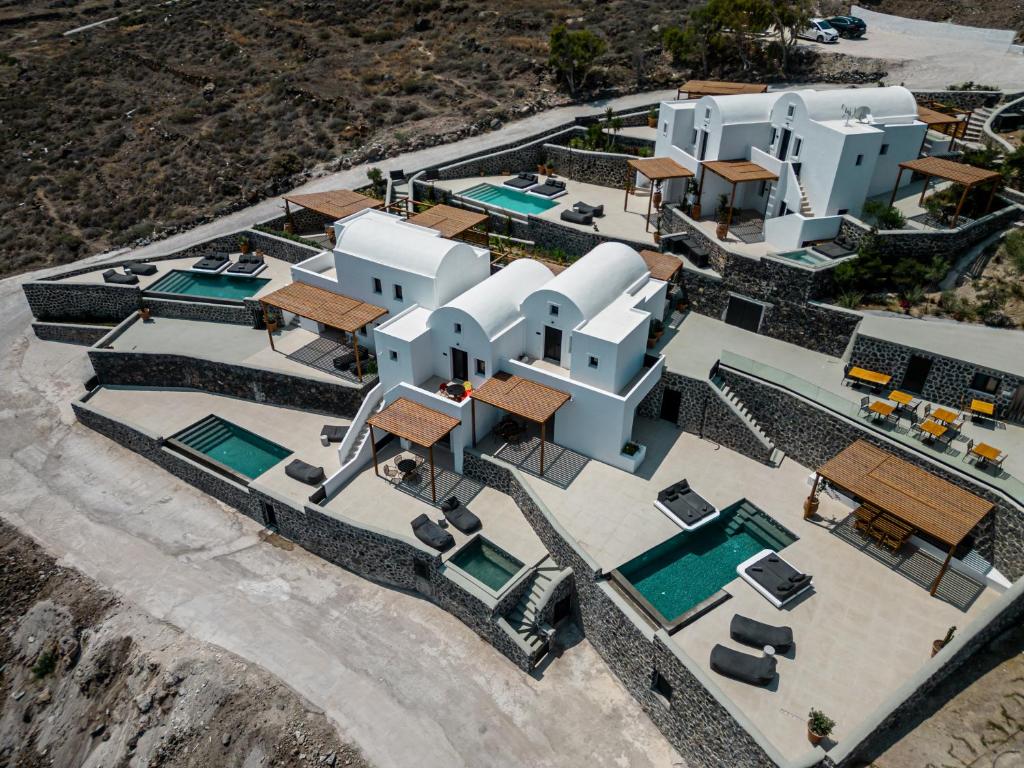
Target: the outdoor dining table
(901, 397)
(983, 407)
(945, 416)
(882, 409)
(987, 452)
(871, 377)
(933, 428)
(456, 390)
(406, 466)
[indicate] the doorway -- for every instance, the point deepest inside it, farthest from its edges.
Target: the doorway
(916, 374)
(269, 516)
(784, 144)
(703, 145)
(1016, 410)
(553, 344)
(671, 402)
(744, 313)
(460, 364)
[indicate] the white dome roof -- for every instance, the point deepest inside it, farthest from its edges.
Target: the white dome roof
(743, 107)
(593, 282)
(882, 103)
(494, 303)
(390, 241)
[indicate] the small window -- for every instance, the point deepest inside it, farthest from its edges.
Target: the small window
(761, 189)
(707, 113)
(982, 382)
(884, 150)
(796, 147)
(842, 211)
(392, 355)
(481, 368)
(860, 159)
(693, 138)
(790, 110)
(362, 331)
(420, 569)
(398, 292)
(592, 361)
(458, 327)
(377, 287)
(775, 135)
(661, 687)
(664, 129)
(553, 310)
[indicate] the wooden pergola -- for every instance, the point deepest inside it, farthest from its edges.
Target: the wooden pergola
(968, 176)
(320, 305)
(655, 169)
(735, 172)
(694, 89)
(454, 223)
(335, 204)
(416, 423)
(924, 501)
(527, 399)
(939, 118)
(662, 266)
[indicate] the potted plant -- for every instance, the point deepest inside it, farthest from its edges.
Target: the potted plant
(656, 196)
(144, 313)
(722, 212)
(938, 645)
(652, 118)
(329, 231)
(657, 235)
(657, 328)
(819, 726)
(243, 244)
(630, 448)
(542, 166)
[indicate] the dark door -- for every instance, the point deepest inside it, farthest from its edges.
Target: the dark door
(703, 145)
(784, 144)
(744, 314)
(460, 364)
(562, 610)
(269, 516)
(671, 400)
(916, 374)
(553, 344)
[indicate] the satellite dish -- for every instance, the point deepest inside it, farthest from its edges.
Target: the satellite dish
(862, 114)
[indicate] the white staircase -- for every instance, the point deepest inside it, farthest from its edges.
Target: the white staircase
(522, 621)
(976, 123)
(736, 406)
(805, 205)
(354, 451)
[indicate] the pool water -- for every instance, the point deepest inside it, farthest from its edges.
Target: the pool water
(241, 450)
(213, 286)
(687, 569)
(803, 256)
(508, 198)
(486, 563)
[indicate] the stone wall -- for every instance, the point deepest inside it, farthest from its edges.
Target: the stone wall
(70, 333)
(234, 313)
(141, 369)
(961, 99)
(80, 302)
(575, 242)
(305, 221)
(605, 169)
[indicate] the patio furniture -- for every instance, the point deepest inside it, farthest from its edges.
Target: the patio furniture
(522, 181)
(575, 217)
(945, 415)
(775, 579)
(457, 514)
(215, 263)
(864, 516)
(407, 466)
(880, 409)
(344, 360)
(431, 534)
(756, 670)
(597, 211)
(110, 276)
(890, 532)
(456, 391)
(334, 434)
(836, 249)
(982, 408)
(304, 473)
(874, 379)
(757, 634)
(140, 268)
(392, 474)
(987, 454)
(684, 507)
(550, 188)
(904, 401)
(865, 404)
(932, 429)
(248, 264)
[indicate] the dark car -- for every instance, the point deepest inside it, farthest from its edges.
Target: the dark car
(849, 26)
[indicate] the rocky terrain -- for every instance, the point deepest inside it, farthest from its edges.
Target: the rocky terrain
(86, 679)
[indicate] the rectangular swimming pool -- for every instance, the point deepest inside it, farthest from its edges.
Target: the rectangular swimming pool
(221, 286)
(508, 198)
(486, 563)
(679, 574)
(806, 257)
(228, 444)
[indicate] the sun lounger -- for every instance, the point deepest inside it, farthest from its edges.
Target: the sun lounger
(522, 181)
(456, 514)
(248, 264)
(333, 434)
(575, 217)
(756, 670)
(595, 210)
(685, 507)
(140, 268)
(117, 278)
(216, 262)
(431, 534)
(304, 473)
(756, 634)
(776, 580)
(836, 249)
(550, 188)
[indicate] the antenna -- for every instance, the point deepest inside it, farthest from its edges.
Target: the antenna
(847, 114)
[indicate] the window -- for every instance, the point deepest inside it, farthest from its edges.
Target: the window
(481, 368)
(693, 138)
(392, 355)
(664, 128)
(592, 361)
(982, 382)
(458, 327)
(860, 159)
(790, 110)
(775, 135)
(763, 186)
(707, 113)
(796, 147)
(362, 331)
(553, 310)
(884, 150)
(377, 287)
(842, 211)
(662, 688)
(398, 292)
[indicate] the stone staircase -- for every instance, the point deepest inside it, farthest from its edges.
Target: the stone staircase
(523, 618)
(736, 405)
(976, 123)
(805, 205)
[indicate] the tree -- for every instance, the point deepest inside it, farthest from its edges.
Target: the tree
(572, 55)
(701, 37)
(790, 17)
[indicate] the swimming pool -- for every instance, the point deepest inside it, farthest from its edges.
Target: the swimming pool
(487, 563)
(805, 257)
(508, 198)
(221, 286)
(228, 444)
(679, 574)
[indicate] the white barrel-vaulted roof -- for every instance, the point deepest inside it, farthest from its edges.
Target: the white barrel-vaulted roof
(494, 303)
(393, 242)
(593, 282)
(884, 104)
(740, 108)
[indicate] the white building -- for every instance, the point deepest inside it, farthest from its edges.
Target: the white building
(831, 150)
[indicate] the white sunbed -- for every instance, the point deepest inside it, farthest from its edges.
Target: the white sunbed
(774, 582)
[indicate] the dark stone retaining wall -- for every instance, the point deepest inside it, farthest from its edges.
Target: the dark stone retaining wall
(143, 369)
(305, 221)
(961, 99)
(237, 314)
(575, 242)
(69, 333)
(602, 168)
(949, 380)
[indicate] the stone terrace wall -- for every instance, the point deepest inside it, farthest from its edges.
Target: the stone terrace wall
(237, 314)
(811, 435)
(605, 169)
(949, 380)
(304, 220)
(961, 99)
(141, 369)
(70, 333)
(575, 242)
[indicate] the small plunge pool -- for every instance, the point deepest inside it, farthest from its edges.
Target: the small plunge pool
(487, 563)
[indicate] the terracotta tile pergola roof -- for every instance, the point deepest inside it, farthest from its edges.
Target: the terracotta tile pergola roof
(660, 168)
(335, 204)
(533, 401)
(738, 171)
(323, 306)
(448, 220)
(694, 89)
(958, 173)
(414, 422)
(663, 266)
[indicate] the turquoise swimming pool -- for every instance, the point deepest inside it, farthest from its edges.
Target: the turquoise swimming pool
(487, 563)
(680, 573)
(239, 449)
(212, 286)
(508, 198)
(805, 257)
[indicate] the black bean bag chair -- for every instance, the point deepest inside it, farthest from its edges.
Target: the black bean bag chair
(431, 534)
(110, 276)
(140, 268)
(756, 670)
(305, 473)
(459, 516)
(754, 633)
(594, 210)
(333, 434)
(576, 217)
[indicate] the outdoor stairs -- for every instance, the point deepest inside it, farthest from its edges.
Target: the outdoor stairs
(805, 205)
(976, 123)
(736, 405)
(523, 618)
(364, 434)
(206, 435)
(745, 518)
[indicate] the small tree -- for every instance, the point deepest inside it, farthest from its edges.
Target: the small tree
(572, 55)
(376, 177)
(789, 17)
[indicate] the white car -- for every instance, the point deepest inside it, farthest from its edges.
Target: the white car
(821, 31)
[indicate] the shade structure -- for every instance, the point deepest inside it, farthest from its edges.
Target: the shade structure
(924, 501)
(416, 423)
(662, 266)
(944, 119)
(694, 89)
(335, 204)
(735, 172)
(656, 169)
(452, 222)
(522, 397)
(968, 176)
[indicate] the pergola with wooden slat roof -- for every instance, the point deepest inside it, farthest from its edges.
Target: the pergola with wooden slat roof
(335, 204)
(416, 423)
(735, 172)
(452, 222)
(525, 398)
(332, 309)
(656, 169)
(922, 500)
(662, 266)
(968, 176)
(694, 89)
(953, 125)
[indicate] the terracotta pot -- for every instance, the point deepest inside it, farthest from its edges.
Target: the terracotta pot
(812, 737)
(329, 231)
(810, 508)
(272, 325)
(542, 169)
(937, 645)
(652, 122)
(656, 200)
(289, 228)
(244, 247)
(657, 236)
(722, 231)
(144, 313)
(695, 211)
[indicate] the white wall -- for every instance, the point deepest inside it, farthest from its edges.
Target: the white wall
(463, 268)
(472, 340)
(904, 144)
(793, 230)
(851, 180)
(414, 364)
(535, 309)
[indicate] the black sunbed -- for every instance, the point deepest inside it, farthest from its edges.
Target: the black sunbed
(110, 276)
(140, 268)
(522, 181)
(750, 632)
(248, 264)
(756, 670)
(594, 210)
(576, 217)
(459, 516)
(774, 578)
(333, 434)
(835, 249)
(685, 507)
(549, 188)
(304, 473)
(431, 534)
(212, 263)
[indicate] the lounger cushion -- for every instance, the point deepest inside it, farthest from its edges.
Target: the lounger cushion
(334, 434)
(522, 181)
(594, 210)
(431, 534)
(684, 503)
(577, 218)
(550, 188)
(245, 268)
(778, 577)
(462, 519)
(756, 670)
(305, 473)
(110, 276)
(208, 264)
(139, 268)
(750, 632)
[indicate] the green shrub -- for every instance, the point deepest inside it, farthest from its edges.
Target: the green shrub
(1014, 247)
(850, 299)
(883, 216)
(45, 664)
(820, 723)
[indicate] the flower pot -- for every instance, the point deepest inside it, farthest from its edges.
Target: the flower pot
(813, 737)
(651, 341)
(656, 200)
(722, 231)
(937, 645)
(329, 231)
(657, 236)
(542, 169)
(695, 211)
(652, 122)
(271, 326)
(810, 508)
(244, 247)
(144, 313)
(289, 228)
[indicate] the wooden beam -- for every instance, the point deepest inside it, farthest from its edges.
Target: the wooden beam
(942, 571)
(650, 200)
(960, 205)
(355, 346)
(700, 185)
(732, 201)
(814, 486)
(373, 449)
(629, 181)
(472, 411)
(543, 424)
(991, 195)
(433, 487)
(895, 187)
(266, 322)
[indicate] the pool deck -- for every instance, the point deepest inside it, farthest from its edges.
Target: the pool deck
(859, 634)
